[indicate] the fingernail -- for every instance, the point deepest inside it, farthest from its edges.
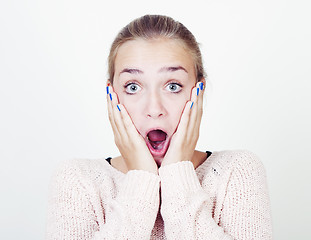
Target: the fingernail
(198, 91)
(191, 105)
(110, 96)
(201, 86)
(107, 88)
(118, 108)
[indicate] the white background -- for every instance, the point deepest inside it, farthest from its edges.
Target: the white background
(53, 105)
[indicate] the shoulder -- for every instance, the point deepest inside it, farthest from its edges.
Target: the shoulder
(240, 189)
(230, 160)
(222, 166)
(82, 171)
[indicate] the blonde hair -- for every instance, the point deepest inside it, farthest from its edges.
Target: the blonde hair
(155, 26)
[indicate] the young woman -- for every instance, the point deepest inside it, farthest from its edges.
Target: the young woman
(160, 187)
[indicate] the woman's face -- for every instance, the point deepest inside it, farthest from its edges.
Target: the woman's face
(153, 80)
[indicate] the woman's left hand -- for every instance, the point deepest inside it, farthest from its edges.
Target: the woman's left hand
(185, 138)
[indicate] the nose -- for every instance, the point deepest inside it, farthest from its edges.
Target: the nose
(155, 106)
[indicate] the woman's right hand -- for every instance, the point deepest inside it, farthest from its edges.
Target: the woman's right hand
(130, 143)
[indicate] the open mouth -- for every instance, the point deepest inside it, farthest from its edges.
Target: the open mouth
(157, 139)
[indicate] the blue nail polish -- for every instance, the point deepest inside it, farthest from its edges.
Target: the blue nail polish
(191, 105)
(198, 91)
(107, 89)
(201, 86)
(118, 108)
(110, 96)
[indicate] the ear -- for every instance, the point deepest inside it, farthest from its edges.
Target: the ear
(108, 82)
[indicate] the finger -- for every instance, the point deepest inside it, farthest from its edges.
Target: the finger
(128, 123)
(111, 115)
(182, 130)
(196, 115)
(193, 114)
(199, 98)
(124, 123)
(118, 117)
(201, 93)
(184, 119)
(118, 121)
(200, 108)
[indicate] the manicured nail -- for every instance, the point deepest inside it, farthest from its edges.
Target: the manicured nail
(201, 86)
(107, 88)
(191, 105)
(110, 96)
(198, 91)
(118, 108)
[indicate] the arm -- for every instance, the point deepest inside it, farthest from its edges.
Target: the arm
(76, 212)
(246, 212)
(186, 208)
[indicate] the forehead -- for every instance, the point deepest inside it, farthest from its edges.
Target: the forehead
(152, 55)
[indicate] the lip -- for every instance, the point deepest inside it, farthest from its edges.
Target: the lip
(158, 152)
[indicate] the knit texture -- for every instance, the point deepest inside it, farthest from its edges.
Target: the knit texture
(226, 197)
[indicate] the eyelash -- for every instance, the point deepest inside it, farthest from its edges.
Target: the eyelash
(127, 85)
(131, 83)
(178, 84)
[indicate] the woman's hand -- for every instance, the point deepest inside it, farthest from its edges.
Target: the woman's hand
(129, 142)
(185, 138)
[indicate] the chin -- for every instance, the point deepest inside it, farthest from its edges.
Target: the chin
(158, 161)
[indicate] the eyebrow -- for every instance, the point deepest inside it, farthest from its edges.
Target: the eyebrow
(173, 69)
(131, 71)
(163, 69)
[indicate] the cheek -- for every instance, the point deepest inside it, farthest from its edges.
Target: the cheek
(176, 111)
(177, 104)
(127, 102)
(133, 109)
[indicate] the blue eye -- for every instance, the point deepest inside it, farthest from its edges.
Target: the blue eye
(174, 87)
(132, 88)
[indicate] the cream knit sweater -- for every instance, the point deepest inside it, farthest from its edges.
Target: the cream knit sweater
(226, 197)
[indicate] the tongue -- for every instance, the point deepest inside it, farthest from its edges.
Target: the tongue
(157, 136)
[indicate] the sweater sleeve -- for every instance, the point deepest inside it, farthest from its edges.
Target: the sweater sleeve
(74, 201)
(187, 211)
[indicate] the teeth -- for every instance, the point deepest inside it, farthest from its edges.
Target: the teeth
(156, 146)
